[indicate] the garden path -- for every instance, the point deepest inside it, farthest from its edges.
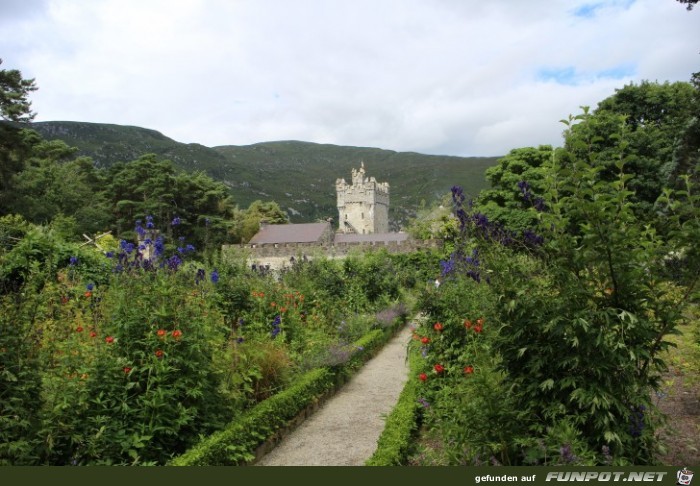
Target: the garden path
(344, 431)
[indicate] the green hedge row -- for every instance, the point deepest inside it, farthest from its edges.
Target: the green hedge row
(402, 423)
(237, 443)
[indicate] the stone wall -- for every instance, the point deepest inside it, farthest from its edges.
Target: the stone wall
(280, 255)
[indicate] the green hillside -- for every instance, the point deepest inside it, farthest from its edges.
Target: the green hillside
(300, 176)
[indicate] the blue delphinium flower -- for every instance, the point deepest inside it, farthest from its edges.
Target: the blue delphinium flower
(276, 326)
(637, 421)
(73, 261)
(149, 222)
(176, 221)
(201, 275)
(160, 246)
(139, 229)
(90, 286)
(174, 262)
(215, 277)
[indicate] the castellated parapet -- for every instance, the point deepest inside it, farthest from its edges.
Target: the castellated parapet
(363, 206)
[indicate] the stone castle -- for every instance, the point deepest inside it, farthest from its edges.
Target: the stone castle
(363, 206)
(363, 225)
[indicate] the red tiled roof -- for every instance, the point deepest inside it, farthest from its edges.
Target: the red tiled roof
(290, 233)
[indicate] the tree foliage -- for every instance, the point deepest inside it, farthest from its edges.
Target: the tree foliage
(689, 3)
(14, 96)
(516, 186)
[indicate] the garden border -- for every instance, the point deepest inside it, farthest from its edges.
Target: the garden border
(402, 424)
(248, 438)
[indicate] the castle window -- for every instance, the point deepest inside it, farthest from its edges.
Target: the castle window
(362, 215)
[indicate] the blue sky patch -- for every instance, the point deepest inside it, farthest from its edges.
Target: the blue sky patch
(569, 75)
(618, 72)
(565, 75)
(589, 10)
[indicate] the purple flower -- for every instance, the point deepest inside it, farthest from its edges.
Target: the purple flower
(90, 286)
(174, 262)
(73, 261)
(566, 454)
(109, 254)
(149, 222)
(201, 275)
(239, 340)
(140, 230)
(276, 326)
(160, 246)
(215, 277)
(176, 221)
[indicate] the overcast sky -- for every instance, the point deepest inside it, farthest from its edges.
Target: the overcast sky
(455, 77)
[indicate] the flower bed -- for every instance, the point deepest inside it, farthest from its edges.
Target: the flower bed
(248, 437)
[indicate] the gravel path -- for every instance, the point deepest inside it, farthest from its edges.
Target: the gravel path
(344, 431)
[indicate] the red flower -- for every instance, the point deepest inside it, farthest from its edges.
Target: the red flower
(467, 323)
(437, 326)
(177, 333)
(64, 299)
(161, 332)
(159, 353)
(480, 322)
(468, 370)
(425, 340)
(79, 329)
(422, 377)
(109, 339)
(88, 294)
(477, 328)
(93, 334)
(127, 370)
(416, 337)
(439, 368)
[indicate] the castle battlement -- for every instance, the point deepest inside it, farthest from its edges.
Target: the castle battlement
(363, 206)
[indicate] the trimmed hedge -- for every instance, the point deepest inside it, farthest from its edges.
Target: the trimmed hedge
(401, 424)
(238, 442)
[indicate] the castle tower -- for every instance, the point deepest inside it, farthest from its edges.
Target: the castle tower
(363, 206)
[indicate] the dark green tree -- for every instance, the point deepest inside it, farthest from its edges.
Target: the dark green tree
(655, 117)
(516, 186)
(14, 92)
(15, 140)
(55, 183)
(193, 206)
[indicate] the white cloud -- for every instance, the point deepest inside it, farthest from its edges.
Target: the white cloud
(437, 76)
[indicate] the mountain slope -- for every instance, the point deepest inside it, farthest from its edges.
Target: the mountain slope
(300, 176)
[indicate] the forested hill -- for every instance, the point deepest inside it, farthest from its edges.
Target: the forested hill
(299, 176)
